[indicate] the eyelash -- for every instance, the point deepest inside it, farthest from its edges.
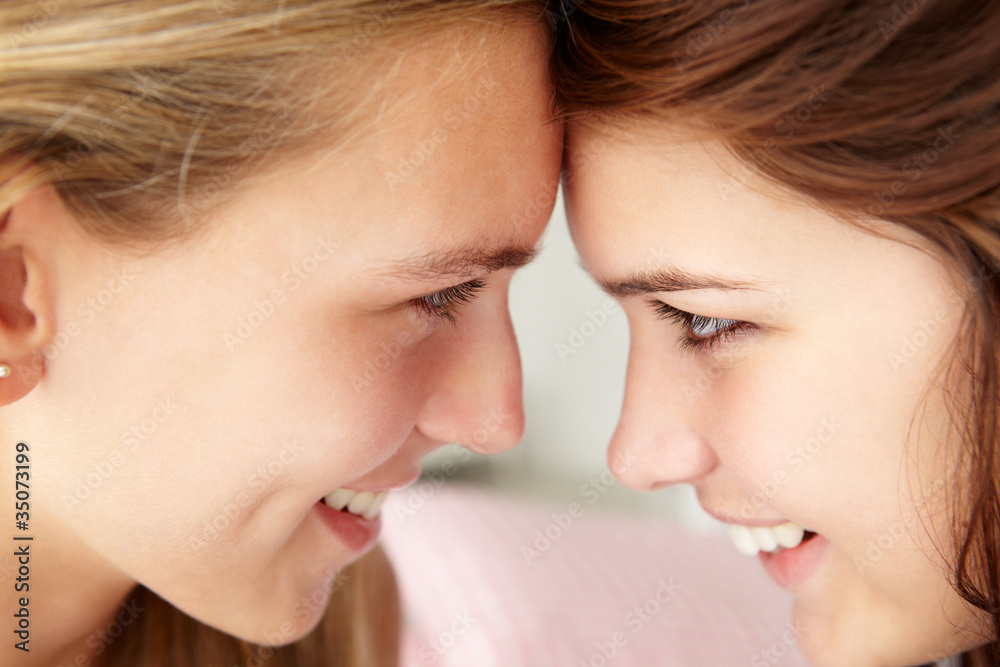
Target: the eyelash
(443, 304)
(725, 329)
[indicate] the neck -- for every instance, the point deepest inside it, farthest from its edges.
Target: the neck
(61, 600)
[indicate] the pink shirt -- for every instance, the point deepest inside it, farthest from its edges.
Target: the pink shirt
(489, 581)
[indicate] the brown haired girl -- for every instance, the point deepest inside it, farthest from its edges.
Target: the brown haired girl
(255, 258)
(798, 205)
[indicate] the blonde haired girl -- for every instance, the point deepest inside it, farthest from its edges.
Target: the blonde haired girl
(255, 258)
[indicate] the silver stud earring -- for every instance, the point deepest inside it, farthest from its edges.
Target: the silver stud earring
(4, 370)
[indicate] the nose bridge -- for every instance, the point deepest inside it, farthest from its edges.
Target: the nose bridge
(658, 440)
(476, 399)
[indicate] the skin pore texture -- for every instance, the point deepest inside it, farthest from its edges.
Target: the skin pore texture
(235, 379)
(803, 410)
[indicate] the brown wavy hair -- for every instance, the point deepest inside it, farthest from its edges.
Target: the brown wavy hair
(145, 116)
(871, 108)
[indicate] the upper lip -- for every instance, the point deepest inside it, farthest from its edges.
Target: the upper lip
(390, 486)
(372, 490)
(750, 523)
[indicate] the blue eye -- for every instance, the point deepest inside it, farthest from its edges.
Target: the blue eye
(707, 327)
(444, 304)
(701, 332)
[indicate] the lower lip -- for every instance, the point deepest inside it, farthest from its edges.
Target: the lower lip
(357, 533)
(791, 567)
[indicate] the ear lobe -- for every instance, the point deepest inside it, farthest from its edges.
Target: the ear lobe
(26, 314)
(16, 323)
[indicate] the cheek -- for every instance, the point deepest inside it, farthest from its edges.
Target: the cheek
(836, 459)
(350, 386)
(232, 446)
(772, 423)
(802, 441)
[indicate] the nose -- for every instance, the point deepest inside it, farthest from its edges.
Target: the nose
(657, 443)
(476, 397)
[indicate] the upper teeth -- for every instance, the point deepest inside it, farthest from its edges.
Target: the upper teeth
(363, 503)
(751, 540)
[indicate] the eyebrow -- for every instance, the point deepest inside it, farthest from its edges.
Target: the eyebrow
(670, 279)
(459, 262)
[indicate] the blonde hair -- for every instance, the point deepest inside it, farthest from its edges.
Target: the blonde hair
(145, 116)
(360, 628)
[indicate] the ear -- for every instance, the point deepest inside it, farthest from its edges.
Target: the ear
(27, 321)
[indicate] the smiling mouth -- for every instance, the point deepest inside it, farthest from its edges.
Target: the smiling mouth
(365, 504)
(750, 541)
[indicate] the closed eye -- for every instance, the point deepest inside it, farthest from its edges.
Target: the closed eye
(701, 332)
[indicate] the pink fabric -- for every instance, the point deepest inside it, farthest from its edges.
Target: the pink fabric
(490, 581)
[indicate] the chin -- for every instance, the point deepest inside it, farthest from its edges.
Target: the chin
(276, 621)
(857, 642)
(276, 629)
(856, 650)
(854, 656)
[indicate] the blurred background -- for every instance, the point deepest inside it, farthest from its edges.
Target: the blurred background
(574, 348)
(554, 582)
